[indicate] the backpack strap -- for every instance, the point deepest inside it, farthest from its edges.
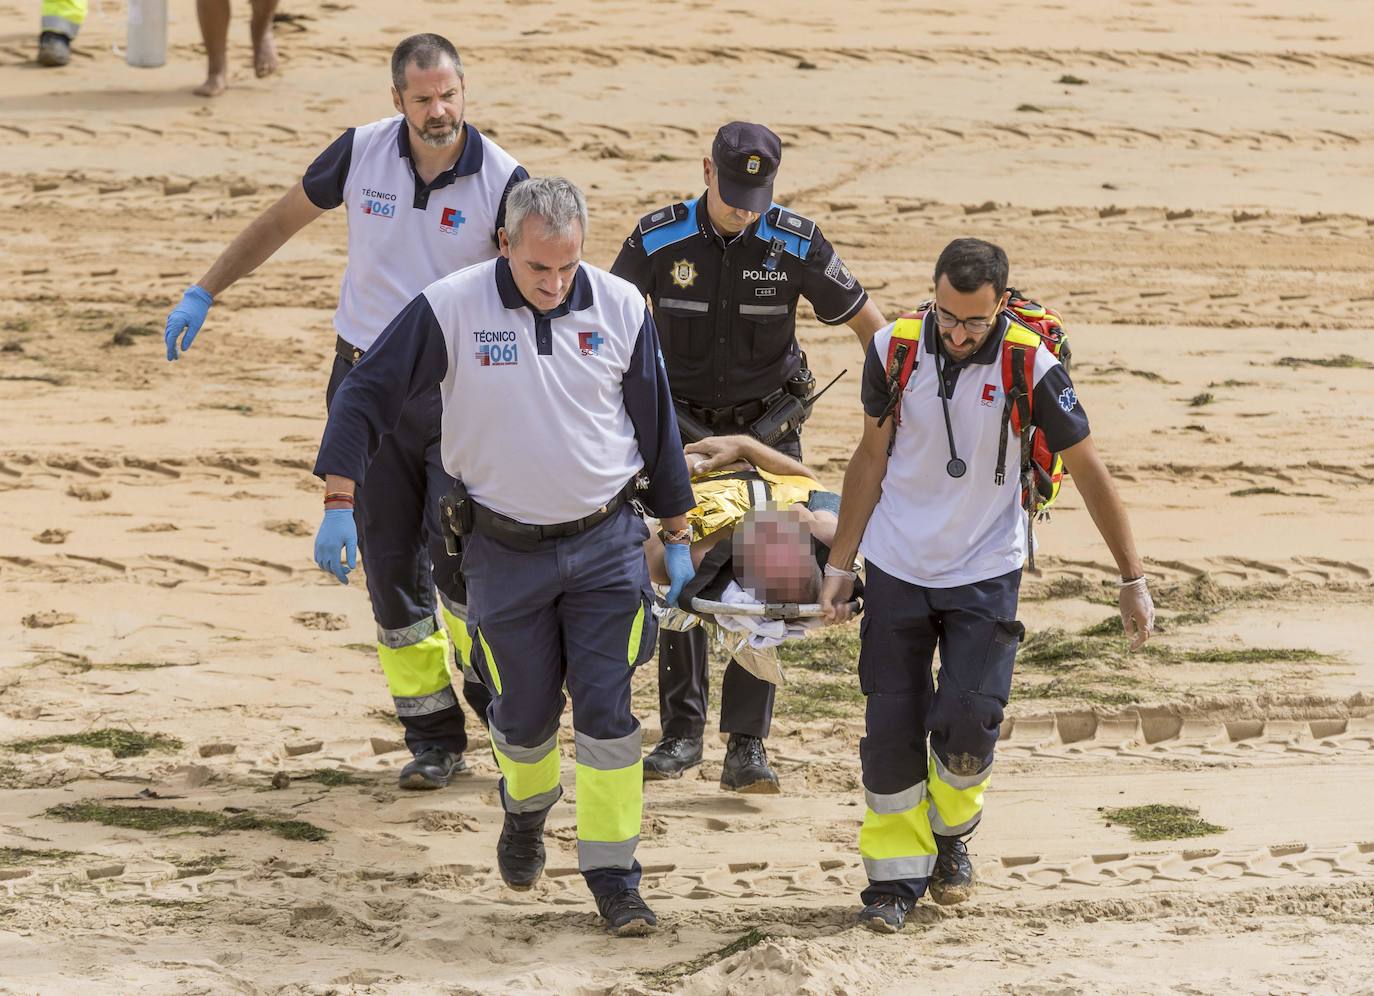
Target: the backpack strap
(903, 350)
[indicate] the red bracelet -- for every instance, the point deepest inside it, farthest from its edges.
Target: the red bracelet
(338, 496)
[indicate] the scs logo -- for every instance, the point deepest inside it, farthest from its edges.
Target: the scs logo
(989, 398)
(589, 343)
(451, 220)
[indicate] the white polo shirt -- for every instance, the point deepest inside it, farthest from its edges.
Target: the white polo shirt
(404, 234)
(546, 416)
(938, 531)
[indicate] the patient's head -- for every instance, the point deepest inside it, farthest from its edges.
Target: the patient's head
(773, 557)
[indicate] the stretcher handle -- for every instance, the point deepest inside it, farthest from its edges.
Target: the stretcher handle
(770, 610)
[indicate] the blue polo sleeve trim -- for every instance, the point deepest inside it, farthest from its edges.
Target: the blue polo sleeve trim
(1057, 412)
(873, 389)
(324, 179)
(408, 358)
(650, 407)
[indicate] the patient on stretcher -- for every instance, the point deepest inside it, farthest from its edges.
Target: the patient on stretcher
(761, 517)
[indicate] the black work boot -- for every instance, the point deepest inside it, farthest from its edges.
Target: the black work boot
(672, 756)
(54, 49)
(886, 914)
(746, 767)
(432, 768)
(952, 880)
(626, 914)
(520, 849)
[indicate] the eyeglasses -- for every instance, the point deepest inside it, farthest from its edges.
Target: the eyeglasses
(974, 326)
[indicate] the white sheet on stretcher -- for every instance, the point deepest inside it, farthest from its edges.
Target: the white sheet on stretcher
(751, 640)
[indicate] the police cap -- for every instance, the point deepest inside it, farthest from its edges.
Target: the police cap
(747, 157)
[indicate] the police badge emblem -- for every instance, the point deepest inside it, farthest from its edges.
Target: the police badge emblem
(684, 273)
(753, 165)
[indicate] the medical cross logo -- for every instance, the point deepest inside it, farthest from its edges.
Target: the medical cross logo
(451, 220)
(589, 343)
(989, 398)
(1068, 400)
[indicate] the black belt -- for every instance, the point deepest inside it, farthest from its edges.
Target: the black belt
(735, 415)
(347, 352)
(527, 536)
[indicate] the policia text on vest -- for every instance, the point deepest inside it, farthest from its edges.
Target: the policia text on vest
(724, 273)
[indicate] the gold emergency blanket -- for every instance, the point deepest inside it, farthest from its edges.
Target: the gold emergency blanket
(724, 497)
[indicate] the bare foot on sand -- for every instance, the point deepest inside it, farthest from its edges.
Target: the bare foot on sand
(214, 85)
(264, 50)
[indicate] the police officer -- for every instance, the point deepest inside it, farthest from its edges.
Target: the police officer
(554, 404)
(425, 195)
(943, 540)
(724, 272)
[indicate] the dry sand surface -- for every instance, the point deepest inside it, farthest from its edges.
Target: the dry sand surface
(1192, 183)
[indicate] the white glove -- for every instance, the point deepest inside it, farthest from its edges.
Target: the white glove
(1137, 611)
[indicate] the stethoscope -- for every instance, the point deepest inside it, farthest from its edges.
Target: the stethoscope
(955, 468)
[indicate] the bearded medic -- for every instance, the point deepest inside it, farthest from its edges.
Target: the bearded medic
(936, 501)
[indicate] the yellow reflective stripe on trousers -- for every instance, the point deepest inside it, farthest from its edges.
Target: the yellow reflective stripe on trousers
(610, 800)
(460, 637)
(415, 668)
(64, 16)
(897, 843)
(636, 633)
(957, 799)
(490, 659)
(531, 773)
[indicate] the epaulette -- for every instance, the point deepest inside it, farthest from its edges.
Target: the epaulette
(663, 216)
(667, 225)
(788, 228)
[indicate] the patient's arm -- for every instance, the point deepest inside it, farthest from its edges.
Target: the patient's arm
(722, 452)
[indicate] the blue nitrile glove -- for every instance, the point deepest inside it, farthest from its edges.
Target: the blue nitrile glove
(189, 315)
(678, 559)
(337, 531)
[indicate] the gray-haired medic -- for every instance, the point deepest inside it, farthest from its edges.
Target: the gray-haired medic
(724, 273)
(935, 506)
(424, 193)
(554, 406)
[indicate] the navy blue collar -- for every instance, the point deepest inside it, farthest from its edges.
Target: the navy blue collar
(578, 299)
(708, 228)
(469, 161)
(987, 353)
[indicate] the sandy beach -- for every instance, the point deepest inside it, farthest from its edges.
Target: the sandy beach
(1190, 184)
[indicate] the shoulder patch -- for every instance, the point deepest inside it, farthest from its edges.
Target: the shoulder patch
(789, 221)
(663, 216)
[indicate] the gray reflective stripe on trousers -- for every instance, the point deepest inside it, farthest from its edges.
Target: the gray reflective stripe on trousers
(61, 25)
(600, 854)
(682, 305)
(608, 755)
(522, 755)
(764, 310)
(425, 705)
(959, 781)
(895, 802)
(533, 804)
(939, 826)
(457, 609)
(407, 636)
(895, 869)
